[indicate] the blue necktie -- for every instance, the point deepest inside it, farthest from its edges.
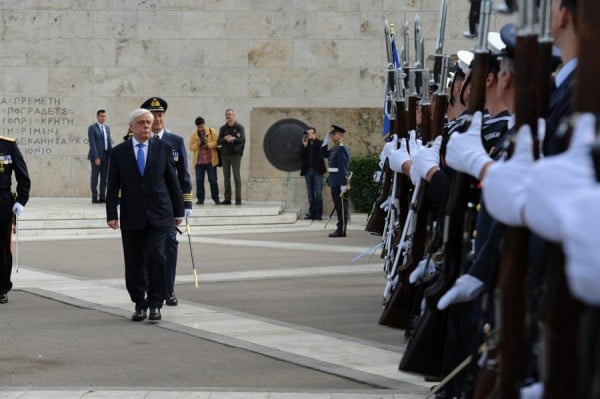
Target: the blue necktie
(140, 158)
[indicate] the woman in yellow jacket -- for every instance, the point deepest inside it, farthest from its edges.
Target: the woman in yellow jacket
(203, 144)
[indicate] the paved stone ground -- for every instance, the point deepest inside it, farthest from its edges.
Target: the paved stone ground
(283, 314)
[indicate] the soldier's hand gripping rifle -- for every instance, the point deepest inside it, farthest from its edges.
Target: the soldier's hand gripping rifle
(425, 350)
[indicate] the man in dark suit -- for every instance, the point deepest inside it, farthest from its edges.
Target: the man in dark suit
(100, 146)
(151, 204)
(158, 107)
(339, 157)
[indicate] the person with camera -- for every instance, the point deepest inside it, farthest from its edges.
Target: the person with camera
(313, 169)
(232, 139)
(203, 144)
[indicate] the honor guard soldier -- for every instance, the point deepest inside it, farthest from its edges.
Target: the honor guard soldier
(338, 156)
(158, 107)
(11, 160)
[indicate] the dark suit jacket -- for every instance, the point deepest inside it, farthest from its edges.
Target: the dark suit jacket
(561, 105)
(96, 142)
(180, 156)
(154, 199)
(318, 164)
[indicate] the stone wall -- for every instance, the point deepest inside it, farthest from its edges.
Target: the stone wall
(61, 60)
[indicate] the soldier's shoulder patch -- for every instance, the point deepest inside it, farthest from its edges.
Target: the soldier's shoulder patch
(7, 138)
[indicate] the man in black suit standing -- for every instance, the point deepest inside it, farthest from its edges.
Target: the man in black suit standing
(100, 146)
(151, 204)
(158, 107)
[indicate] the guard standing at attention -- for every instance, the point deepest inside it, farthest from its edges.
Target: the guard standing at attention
(338, 156)
(11, 160)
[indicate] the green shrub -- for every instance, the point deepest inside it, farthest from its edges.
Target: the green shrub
(363, 188)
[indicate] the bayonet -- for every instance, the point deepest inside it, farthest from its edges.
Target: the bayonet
(418, 43)
(406, 45)
(439, 44)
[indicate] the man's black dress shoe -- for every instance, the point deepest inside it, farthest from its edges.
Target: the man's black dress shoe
(139, 315)
(154, 314)
(199, 203)
(95, 201)
(238, 202)
(217, 202)
(171, 300)
(3, 298)
(337, 234)
(308, 217)
(226, 202)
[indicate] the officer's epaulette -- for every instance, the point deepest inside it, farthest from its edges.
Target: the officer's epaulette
(7, 138)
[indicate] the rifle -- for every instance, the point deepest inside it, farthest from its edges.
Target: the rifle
(562, 321)
(439, 45)
(404, 300)
(377, 219)
(424, 353)
(513, 266)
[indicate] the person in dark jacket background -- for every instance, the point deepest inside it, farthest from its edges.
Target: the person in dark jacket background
(313, 169)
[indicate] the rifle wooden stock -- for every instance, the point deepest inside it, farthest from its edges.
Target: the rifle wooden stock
(562, 320)
(513, 270)
(544, 75)
(425, 351)
(514, 265)
(439, 115)
(411, 118)
(376, 221)
(562, 326)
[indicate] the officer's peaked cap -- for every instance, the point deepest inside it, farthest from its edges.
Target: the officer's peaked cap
(155, 104)
(336, 128)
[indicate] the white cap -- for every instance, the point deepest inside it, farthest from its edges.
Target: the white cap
(465, 58)
(495, 43)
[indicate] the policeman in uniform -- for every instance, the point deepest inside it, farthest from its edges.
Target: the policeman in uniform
(158, 107)
(337, 180)
(11, 160)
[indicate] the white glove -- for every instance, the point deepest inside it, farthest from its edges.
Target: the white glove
(465, 152)
(385, 205)
(17, 209)
(555, 180)
(465, 288)
(424, 271)
(425, 159)
(399, 157)
(188, 213)
(385, 152)
(326, 141)
(579, 227)
(503, 187)
(414, 144)
(343, 188)
(533, 391)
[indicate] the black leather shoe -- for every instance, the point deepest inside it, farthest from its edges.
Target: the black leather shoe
(154, 314)
(199, 203)
(238, 202)
(95, 201)
(337, 234)
(217, 202)
(171, 300)
(308, 217)
(226, 202)
(139, 315)
(3, 298)
(318, 218)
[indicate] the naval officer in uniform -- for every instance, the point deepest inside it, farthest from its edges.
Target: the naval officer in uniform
(338, 156)
(11, 160)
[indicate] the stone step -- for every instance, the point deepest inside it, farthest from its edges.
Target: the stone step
(48, 218)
